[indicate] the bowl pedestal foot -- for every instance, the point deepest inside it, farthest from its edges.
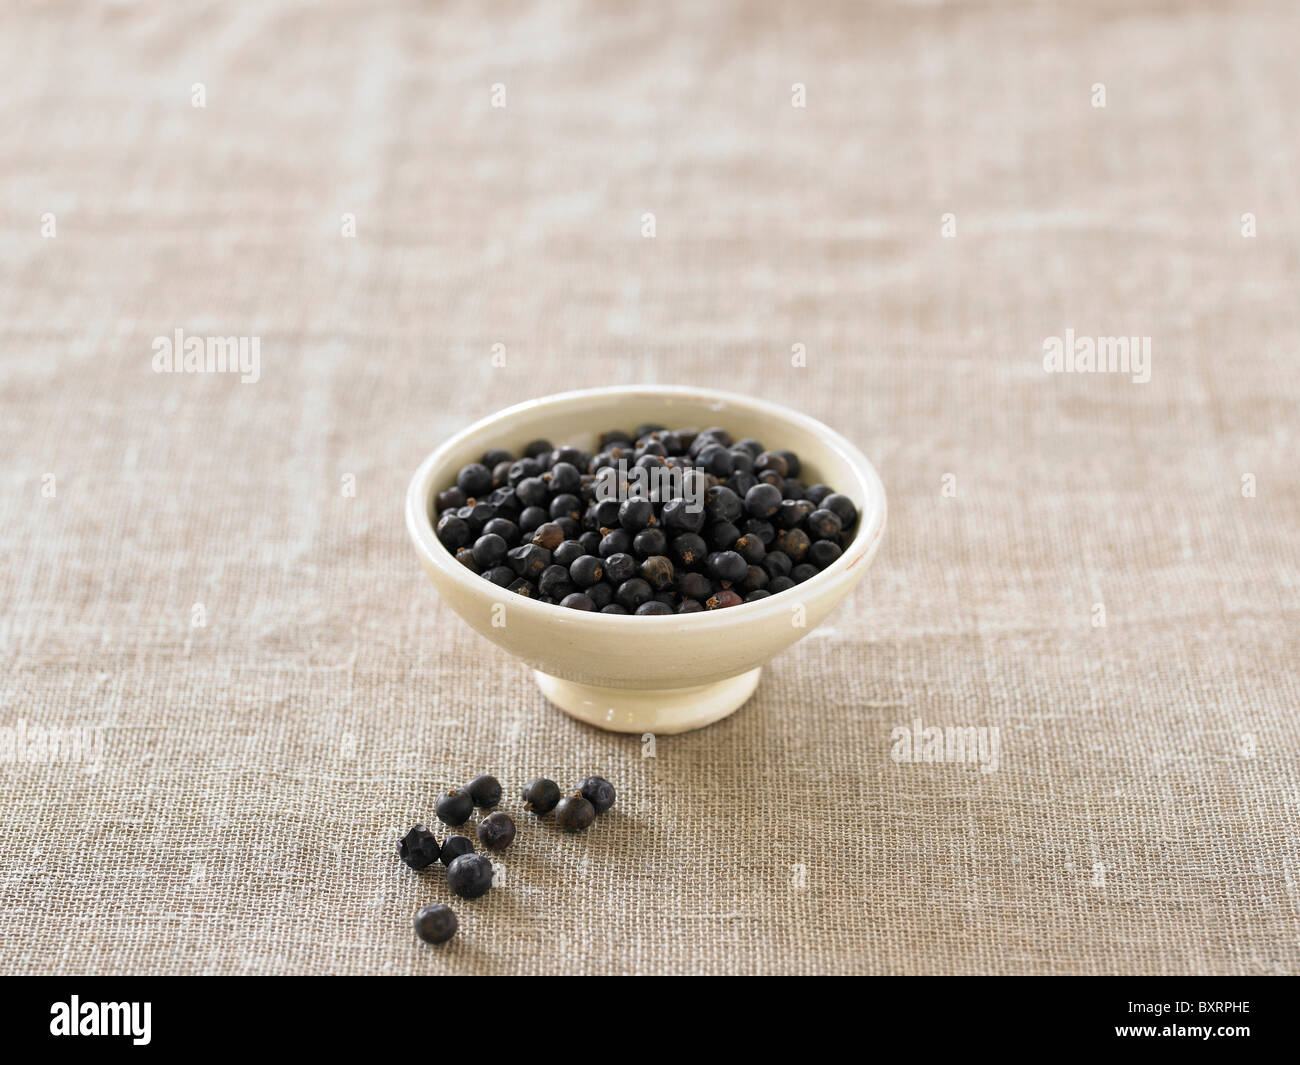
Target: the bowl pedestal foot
(662, 711)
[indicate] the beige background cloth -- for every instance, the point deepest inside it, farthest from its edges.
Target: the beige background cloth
(256, 768)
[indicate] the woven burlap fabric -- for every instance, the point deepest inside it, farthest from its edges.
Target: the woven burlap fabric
(216, 577)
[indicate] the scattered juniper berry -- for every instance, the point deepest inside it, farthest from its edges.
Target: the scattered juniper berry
(418, 848)
(454, 807)
(470, 876)
(435, 923)
(574, 813)
(540, 795)
(598, 791)
(485, 790)
(496, 831)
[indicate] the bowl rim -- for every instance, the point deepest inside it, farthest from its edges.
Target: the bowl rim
(871, 517)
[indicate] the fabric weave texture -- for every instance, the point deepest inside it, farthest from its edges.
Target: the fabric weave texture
(215, 575)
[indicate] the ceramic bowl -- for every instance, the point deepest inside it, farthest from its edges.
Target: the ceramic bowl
(632, 673)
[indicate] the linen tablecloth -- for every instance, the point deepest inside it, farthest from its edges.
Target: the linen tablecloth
(885, 215)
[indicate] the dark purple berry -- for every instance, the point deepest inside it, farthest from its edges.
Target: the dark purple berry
(490, 550)
(649, 542)
(567, 553)
(496, 831)
(616, 542)
(777, 564)
(599, 792)
(530, 518)
(689, 549)
(452, 499)
(555, 582)
(474, 480)
(454, 846)
(843, 508)
(632, 593)
(722, 504)
(540, 795)
(574, 813)
(470, 876)
(485, 790)
(750, 548)
(532, 492)
(586, 571)
(635, 514)
(454, 807)
(792, 512)
(435, 923)
(452, 531)
(504, 528)
(694, 585)
(823, 552)
(727, 566)
(529, 560)
(824, 524)
(620, 567)
(501, 576)
(684, 515)
(794, 542)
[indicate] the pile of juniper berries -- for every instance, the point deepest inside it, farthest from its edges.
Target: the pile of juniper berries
(735, 526)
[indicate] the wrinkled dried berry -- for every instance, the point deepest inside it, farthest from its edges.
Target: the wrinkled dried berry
(496, 831)
(548, 535)
(657, 571)
(418, 848)
(620, 567)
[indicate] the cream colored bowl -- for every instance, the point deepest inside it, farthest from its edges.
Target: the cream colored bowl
(633, 673)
